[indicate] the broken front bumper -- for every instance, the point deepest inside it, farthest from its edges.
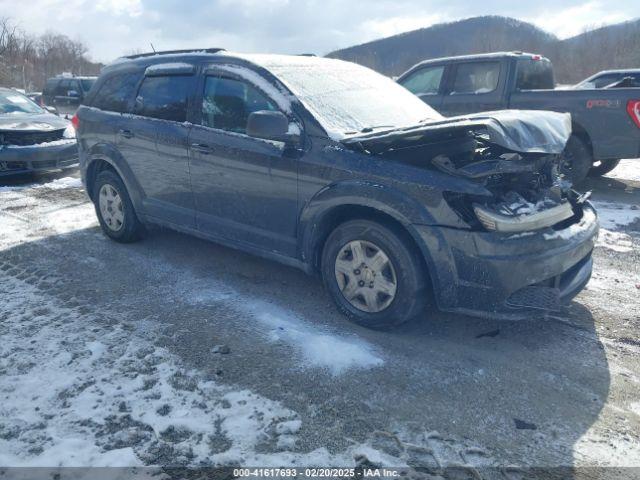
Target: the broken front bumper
(15, 160)
(509, 275)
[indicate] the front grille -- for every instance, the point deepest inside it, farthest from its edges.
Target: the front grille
(537, 297)
(26, 138)
(8, 166)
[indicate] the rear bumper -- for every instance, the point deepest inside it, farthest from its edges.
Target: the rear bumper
(16, 160)
(509, 275)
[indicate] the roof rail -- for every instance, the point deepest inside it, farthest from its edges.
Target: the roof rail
(169, 52)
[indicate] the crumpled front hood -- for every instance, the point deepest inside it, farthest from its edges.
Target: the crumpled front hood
(526, 131)
(38, 122)
(521, 131)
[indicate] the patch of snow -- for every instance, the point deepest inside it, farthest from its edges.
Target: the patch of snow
(168, 66)
(616, 241)
(318, 348)
(626, 170)
(594, 449)
(55, 143)
(60, 183)
(614, 215)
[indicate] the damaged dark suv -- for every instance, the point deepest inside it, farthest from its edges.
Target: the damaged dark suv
(330, 167)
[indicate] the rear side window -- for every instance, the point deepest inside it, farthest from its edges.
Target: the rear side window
(534, 74)
(116, 92)
(62, 88)
(227, 103)
(50, 87)
(425, 81)
(476, 78)
(164, 97)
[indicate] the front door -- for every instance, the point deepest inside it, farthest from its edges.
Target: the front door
(245, 188)
(427, 84)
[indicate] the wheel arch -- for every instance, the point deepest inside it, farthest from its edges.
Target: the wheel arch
(103, 157)
(581, 132)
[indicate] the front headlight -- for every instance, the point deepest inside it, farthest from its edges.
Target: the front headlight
(69, 132)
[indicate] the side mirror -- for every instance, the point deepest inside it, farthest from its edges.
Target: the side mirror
(50, 109)
(73, 94)
(268, 125)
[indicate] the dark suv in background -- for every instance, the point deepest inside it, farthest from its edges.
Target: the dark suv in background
(66, 93)
(330, 167)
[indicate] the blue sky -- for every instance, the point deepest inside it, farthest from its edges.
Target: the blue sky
(115, 27)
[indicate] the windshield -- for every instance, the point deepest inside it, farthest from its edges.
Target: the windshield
(347, 98)
(15, 103)
(87, 83)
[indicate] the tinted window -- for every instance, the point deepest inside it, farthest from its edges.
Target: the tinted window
(425, 81)
(606, 80)
(62, 88)
(476, 77)
(227, 103)
(164, 97)
(116, 92)
(534, 74)
(87, 84)
(50, 87)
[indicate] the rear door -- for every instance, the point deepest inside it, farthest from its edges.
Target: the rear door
(474, 86)
(427, 83)
(154, 143)
(245, 188)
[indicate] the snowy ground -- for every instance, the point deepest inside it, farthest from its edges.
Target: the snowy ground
(175, 351)
(626, 170)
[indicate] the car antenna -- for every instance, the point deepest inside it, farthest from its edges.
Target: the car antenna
(154, 50)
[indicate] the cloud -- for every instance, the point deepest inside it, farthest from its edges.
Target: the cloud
(574, 20)
(112, 28)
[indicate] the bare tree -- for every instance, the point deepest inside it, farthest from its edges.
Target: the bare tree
(27, 61)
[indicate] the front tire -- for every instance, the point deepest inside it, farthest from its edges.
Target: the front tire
(114, 209)
(577, 160)
(374, 275)
(603, 167)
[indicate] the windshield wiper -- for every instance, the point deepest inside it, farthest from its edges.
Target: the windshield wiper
(375, 127)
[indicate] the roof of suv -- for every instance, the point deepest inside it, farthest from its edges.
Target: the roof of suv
(258, 59)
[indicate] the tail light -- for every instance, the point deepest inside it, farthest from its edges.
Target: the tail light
(633, 109)
(75, 121)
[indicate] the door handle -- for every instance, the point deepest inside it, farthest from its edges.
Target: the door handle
(125, 133)
(201, 148)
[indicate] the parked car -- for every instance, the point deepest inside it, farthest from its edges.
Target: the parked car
(31, 138)
(66, 93)
(611, 79)
(606, 123)
(328, 166)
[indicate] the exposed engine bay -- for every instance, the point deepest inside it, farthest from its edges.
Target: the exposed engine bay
(514, 155)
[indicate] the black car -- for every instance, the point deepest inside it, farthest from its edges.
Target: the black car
(66, 93)
(330, 167)
(31, 138)
(611, 79)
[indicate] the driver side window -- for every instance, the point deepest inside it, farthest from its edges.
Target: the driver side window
(228, 102)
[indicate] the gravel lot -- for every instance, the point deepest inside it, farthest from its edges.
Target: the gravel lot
(174, 351)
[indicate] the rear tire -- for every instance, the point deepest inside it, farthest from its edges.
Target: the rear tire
(602, 167)
(114, 208)
(375, 276)
(577, 160)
